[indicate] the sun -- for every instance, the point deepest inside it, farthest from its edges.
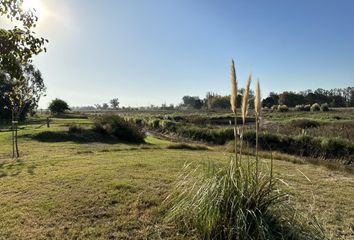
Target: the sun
(33, 5)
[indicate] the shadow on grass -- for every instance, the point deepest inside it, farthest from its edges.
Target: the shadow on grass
(14, 168)
(81, 137)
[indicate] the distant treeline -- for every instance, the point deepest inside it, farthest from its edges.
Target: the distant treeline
(338, 97)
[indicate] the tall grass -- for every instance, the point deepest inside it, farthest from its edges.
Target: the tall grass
(234, 203)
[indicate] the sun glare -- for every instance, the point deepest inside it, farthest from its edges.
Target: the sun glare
(33, 5)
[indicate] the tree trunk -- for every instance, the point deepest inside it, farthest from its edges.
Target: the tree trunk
(16, 141)
(13, 134)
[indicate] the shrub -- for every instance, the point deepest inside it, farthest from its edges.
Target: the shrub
(154, 123)
(168, 125)
(307, 107)
(58, 106)
(315, 107)
(138, 121)
(305, 123)
(328, 148)
(118, 127)
(283, 108)
(335, 148)
(274, 108)
(324, 107)
(299, 107)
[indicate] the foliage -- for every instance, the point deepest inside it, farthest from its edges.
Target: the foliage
(58, 106)
(283, 108)
(305, 123)
(307, 107)
(291, 99)
(315, 107)
(274, 108)
(19, 44)
(192, 102)
(300, 107)
(219, 102)
(114, 103)
(113, 125)
(21, 96)
(271, 100)
(338, 97)
(324, 107)
(303, 145)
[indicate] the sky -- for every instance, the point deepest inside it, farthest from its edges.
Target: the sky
(157, 51)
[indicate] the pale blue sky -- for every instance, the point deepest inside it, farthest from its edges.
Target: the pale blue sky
(151, 52)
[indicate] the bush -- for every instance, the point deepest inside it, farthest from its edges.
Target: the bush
(300, 108)
(154, 123)
(168, 125)
(335, 148)
(274, 108)
(283, 108)
(307, 107)
(305, 123)
(58, 106)
(315, 107)
(119, 128)
(324, 107)
(303, 145)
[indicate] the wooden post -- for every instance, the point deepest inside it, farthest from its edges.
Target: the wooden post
(13, 133)
(16, 140)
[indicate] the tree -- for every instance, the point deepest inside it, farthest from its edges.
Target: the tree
(271, 100)
(114, 103)
(58, 106)
(219, 102)
(291, 99)
(192, 102)
(17, 47)
(104, 106)
(22, 95)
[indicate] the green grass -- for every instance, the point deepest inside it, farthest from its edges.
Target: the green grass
(68, 190)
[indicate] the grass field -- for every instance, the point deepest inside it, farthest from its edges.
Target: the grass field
(73, 190)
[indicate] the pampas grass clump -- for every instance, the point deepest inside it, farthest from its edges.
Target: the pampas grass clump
(239, 200)
(233, 202)
(315, 107)
(324, 107)
(283, 108)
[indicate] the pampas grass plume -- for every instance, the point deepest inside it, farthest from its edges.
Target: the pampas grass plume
(245, 102)
(257, 100)
(233, 98)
